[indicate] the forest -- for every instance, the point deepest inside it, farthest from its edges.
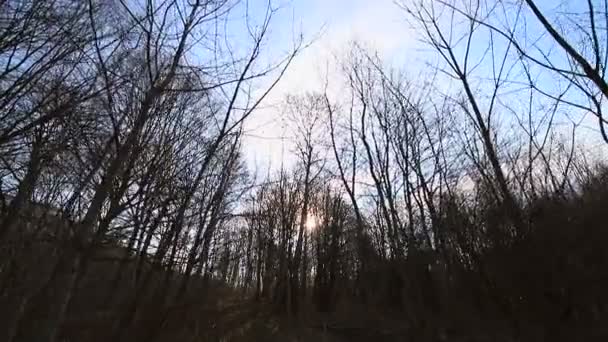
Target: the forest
(465, 203)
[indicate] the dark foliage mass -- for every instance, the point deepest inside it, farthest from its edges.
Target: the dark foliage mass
(465, 206)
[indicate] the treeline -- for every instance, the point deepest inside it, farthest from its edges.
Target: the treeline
(456, 207)
(465, 206)
(394, 211)
(120, 126)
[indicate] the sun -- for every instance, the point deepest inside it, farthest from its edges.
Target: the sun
(311, 222)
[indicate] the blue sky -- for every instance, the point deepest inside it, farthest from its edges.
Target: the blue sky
(332, 24)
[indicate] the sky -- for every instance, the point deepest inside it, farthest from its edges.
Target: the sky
(330, 26)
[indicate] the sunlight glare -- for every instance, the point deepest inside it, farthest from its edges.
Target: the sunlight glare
(311, 222)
